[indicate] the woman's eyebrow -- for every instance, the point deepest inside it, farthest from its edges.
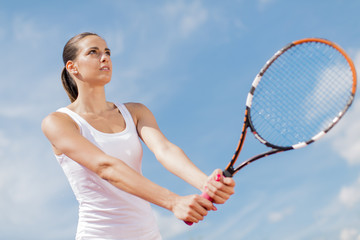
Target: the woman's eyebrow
(96, 48)
(90, 48)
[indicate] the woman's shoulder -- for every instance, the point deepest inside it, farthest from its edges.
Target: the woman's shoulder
(137, 110)
(134, 105)
(57, 120)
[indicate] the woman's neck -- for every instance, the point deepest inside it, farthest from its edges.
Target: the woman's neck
(91, 101)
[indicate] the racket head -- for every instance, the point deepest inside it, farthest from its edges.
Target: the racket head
(301, 93)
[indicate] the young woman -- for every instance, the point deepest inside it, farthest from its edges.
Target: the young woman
(97, 144)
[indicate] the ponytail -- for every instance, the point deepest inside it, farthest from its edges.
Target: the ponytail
(69, 85)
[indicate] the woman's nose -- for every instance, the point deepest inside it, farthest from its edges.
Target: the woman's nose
(105, 57)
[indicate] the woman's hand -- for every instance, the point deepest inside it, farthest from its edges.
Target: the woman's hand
(218, 187)
(192, 208)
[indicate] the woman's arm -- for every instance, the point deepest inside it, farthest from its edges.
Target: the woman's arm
(175, 160)
(65, 137)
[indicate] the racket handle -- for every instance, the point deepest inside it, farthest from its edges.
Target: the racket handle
(206, 196)
(226, 173)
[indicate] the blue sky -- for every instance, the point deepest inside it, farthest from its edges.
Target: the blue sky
(192, 63)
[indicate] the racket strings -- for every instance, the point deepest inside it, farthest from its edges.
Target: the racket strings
(311, 65)
(300, 94)
(282, 94)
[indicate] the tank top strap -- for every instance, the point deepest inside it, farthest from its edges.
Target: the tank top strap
(126, 115)
(74, 116)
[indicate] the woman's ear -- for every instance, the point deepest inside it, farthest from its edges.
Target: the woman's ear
(71, 68)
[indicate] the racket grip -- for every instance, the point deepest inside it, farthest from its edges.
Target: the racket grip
(206, 196)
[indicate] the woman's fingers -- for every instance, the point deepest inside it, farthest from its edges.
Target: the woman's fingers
(219, 188)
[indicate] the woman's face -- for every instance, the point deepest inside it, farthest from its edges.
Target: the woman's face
(93, 62)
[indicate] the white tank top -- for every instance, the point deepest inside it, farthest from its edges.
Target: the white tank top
(106, 212)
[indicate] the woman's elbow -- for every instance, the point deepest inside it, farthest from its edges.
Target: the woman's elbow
(105, 170)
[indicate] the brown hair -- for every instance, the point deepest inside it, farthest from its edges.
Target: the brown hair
(69, 54)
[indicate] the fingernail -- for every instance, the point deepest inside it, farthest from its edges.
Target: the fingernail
(218, 177)
(215, 209)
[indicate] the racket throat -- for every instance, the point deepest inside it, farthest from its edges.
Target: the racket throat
(229, 171)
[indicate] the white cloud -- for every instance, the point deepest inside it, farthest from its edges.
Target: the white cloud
(189, 17)
(170, 226)
(116, 41)
(357, 60)
(142, 55)
(193, 19)
(26, 30)
(350, 195)
(338, 216)
(280, 215)
(246, 214)
(264, 3)
(345, 139)
(15, 110)
(32, 186)
(4, 144)
(350, 234)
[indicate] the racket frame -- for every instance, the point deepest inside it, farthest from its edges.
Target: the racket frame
(230, 170)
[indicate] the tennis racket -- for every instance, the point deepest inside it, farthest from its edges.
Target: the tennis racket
(296, 98)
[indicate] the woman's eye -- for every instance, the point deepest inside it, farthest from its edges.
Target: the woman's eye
(108, 53)
(92, 52)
